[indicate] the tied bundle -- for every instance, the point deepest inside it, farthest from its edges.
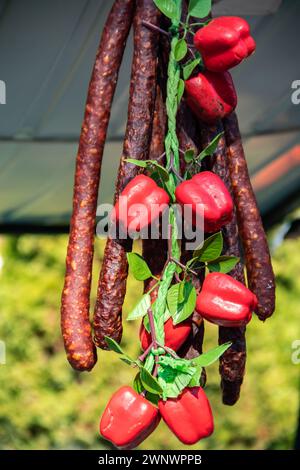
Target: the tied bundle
(182, 145)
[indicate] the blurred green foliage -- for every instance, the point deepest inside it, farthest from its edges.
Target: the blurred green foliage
(44, 404)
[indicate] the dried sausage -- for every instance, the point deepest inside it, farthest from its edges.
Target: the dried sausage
(75, 322)
(113, 276)
(233, 361)
(155, 251)
(257, 256)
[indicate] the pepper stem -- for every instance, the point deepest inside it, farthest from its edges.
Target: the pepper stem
(155, 28)
(143, 356)
(183, 266)
(152, 328)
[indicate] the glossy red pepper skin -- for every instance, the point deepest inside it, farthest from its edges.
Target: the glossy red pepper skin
(128, 419)
(189, 416)
(224, 43)
(175, 335)
(143, 191)
(225, 301)
(211, 96)
(208, 196)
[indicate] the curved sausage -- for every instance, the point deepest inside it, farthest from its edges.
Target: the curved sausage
(75, 322)
(113, 276)
(233, 361)
(257, 256)
(155, 251)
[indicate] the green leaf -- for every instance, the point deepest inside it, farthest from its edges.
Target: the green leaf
(113, 345)
(191, 261)
(189, 68)
(151, 165)
(182, 291)
(195, 380)
(180, 50)
(147, 324)
(138, 267)
(187, 175)
(211, 356)
(173, 298)
(154, 165)
(149, 382)
(156, 176)
(223, 264)
(178, 269)
(140, 163)
(138, 387)
(199, 8)
(181, 299)
(186, 308)
(211, 248)
(128, 360)
(180, 91)
(168, 7)
(173, 382)
(167, 314)
(149, 363)
(174, 376)
(211, 148)
(141, 308)
(153, 398)
(137, 384)
(183, 365)
(189, 155)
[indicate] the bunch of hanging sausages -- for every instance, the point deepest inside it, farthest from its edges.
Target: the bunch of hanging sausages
(146, 127)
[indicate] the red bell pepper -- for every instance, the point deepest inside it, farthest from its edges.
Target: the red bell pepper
(225, 301)
(224, 43)
(128, 419)
(189, 416)
(175, 335)
(211, 96)
(208, 197)
(141, 202)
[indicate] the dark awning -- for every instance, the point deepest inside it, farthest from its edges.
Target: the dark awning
(47, 51)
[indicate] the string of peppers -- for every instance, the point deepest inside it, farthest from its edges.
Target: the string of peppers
(158, 359)
(163, 376)
(156, 353)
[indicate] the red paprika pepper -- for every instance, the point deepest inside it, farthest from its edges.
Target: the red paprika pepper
(225, 301)
(211, 96)
(175, 335)
(208, 197)
(128, 419)
(141, 202)
(224, 43)
(189, 416)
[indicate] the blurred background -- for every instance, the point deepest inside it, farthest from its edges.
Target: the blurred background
(47, 51)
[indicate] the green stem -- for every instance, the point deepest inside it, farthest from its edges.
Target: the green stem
(171, 141)
(196, 24)
(172, 159)
(184, 267)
